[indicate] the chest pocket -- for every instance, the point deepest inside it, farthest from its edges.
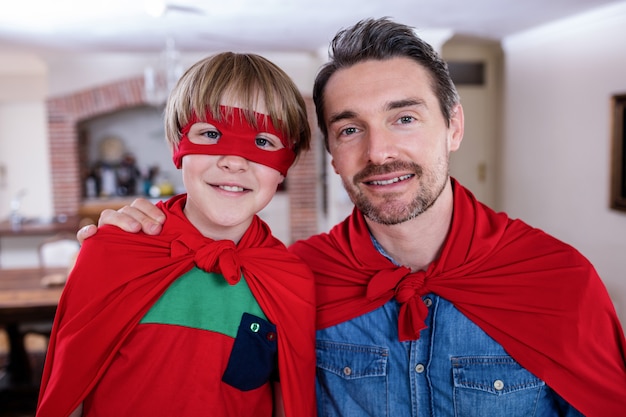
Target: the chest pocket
(494, 386)
(253, 360)
(358, 372)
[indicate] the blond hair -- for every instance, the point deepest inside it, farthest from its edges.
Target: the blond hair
(246, 79)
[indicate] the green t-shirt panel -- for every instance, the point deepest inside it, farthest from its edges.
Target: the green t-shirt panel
(204, 300)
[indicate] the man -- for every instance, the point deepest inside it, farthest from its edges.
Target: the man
(430, 303)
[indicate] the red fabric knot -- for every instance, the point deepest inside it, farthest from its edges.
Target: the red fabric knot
(413, 311)
(383, 283)
(221, 257)
(411, 286)
(407, 288)
(211, 256)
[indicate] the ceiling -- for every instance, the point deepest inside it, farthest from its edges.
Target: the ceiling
(267, 25)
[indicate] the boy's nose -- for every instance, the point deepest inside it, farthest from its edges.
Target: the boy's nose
(233, 162)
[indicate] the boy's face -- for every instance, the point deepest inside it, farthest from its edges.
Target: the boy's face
(224, 192)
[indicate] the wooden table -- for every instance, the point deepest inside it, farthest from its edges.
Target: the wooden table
(37, 229)
(22, 300)
(71, 224)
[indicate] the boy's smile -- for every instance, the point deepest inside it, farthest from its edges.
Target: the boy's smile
(231, 188)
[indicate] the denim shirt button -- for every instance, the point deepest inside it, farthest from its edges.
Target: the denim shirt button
(419, 368)
(498, 385)
(428, 301)
(347, 371)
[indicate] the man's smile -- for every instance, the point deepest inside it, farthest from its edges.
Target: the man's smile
(390, 181)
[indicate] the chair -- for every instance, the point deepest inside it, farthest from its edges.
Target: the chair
(58, 251)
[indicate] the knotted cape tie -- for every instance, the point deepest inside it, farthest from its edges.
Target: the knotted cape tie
(218, 256)
(407, 288)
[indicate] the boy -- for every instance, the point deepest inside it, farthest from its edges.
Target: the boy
(168, 326)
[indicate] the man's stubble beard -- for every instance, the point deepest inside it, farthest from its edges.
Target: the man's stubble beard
(393, 210)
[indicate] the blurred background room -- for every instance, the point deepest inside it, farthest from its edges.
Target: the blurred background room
(83, 84)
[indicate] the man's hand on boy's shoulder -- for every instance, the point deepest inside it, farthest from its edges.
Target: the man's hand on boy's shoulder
(141, 215)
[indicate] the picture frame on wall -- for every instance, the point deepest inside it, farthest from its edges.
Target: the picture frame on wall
(618, 153)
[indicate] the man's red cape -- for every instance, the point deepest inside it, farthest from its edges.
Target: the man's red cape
(118, 277)
(536, 296)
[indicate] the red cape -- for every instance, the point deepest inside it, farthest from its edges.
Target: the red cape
(118, 276)
(538, 297)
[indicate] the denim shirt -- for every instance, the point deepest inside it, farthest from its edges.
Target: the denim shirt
(454, 369)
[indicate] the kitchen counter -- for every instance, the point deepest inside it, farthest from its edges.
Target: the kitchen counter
(92, 207)
(39, 227)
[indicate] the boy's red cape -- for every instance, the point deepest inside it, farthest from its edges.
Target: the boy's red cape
(118, 277)
(538, 297)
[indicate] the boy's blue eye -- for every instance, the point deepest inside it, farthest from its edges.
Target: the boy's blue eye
(262, 142)
(211, 134)
(268, 143)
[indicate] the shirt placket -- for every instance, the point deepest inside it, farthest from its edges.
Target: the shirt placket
(421, 392)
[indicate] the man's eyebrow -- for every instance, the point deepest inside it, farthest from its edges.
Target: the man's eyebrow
(409, 102)
(392, 105)
(348, 114)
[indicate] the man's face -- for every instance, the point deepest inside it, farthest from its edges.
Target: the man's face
(388, 138)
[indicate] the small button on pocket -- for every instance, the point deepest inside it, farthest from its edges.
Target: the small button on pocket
(496, 383)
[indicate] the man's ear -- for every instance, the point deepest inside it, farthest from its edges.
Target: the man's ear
(457, 126)
(332, 162)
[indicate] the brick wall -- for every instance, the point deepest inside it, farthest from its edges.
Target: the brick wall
(302, 185)
(65, 113)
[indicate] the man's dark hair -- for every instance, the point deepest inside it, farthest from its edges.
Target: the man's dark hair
(382, 39)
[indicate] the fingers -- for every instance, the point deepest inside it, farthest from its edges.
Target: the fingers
(150, 216)
(149, 209)
(86, 232)
(140, 215)
(130, 220)
(120, 219)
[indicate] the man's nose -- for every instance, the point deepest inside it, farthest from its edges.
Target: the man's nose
(381, 146)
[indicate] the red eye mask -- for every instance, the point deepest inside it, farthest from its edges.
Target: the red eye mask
(238, 137)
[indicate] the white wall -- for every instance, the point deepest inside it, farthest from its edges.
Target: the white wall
(475, 163)
(24, 156)
(556, 149)
(71, 72)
